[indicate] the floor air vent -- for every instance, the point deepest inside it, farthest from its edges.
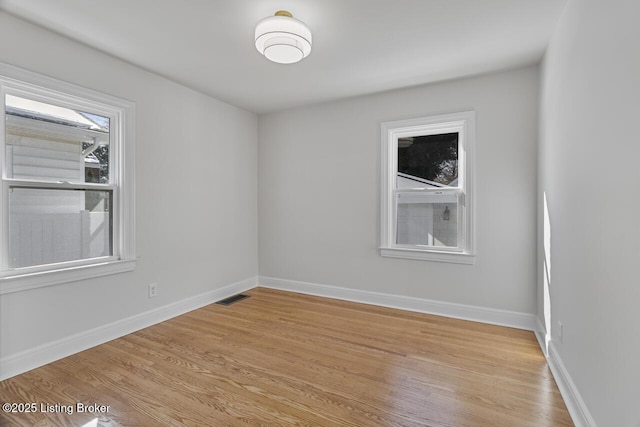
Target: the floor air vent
(233, 299)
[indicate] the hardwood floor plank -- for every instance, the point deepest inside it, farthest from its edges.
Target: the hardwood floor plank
(286, 359)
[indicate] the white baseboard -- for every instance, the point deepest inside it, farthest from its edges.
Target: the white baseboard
(577, 408)
(26, 360)
(575, 405)
(541, 334)
(492, 316)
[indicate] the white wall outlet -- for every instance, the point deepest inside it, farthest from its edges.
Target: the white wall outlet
(153, 290)
(560, 332)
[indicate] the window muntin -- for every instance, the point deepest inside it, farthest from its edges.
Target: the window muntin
(426, 188)
(67, 206)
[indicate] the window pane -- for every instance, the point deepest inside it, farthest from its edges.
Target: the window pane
(427, 219)
(428, 161)
(51, 143)
(48, 225)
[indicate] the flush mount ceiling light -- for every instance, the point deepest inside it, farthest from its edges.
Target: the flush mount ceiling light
(282, 38)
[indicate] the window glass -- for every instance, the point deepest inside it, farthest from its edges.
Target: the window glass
(428, 161)
(48, 226)
(427, 220)
(45, 142)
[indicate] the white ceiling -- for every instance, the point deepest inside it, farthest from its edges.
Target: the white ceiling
(359, 46)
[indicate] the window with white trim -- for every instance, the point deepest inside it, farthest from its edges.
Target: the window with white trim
(67, 207)
(427, 195)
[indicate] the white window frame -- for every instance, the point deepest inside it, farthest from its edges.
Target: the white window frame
(464, 124)
(19, 82)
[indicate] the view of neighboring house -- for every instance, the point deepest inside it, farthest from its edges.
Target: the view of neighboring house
(51, 144)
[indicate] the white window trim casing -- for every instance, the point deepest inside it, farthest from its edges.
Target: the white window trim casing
(14, 80)
(462, 122)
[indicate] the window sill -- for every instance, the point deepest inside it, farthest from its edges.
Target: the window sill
(23, 282)
(425, 255)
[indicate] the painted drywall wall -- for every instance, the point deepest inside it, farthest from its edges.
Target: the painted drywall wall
(318, 170)
(196, 195)
(590, 94)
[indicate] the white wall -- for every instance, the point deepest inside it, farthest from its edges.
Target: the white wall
(196, 195)
(319, 188)
(589, 154)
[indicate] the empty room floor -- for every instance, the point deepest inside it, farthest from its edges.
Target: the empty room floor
(284, 359)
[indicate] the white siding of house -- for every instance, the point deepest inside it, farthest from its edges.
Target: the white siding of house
(36, 158)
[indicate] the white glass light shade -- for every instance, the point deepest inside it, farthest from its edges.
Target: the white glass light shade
(283, 39)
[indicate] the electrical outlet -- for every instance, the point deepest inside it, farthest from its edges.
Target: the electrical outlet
(153, 290)
(560, 332)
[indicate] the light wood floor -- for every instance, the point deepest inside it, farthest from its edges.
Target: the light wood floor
(286, 359)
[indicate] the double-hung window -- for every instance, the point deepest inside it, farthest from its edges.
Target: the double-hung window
(427, 188)
(67, 182)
